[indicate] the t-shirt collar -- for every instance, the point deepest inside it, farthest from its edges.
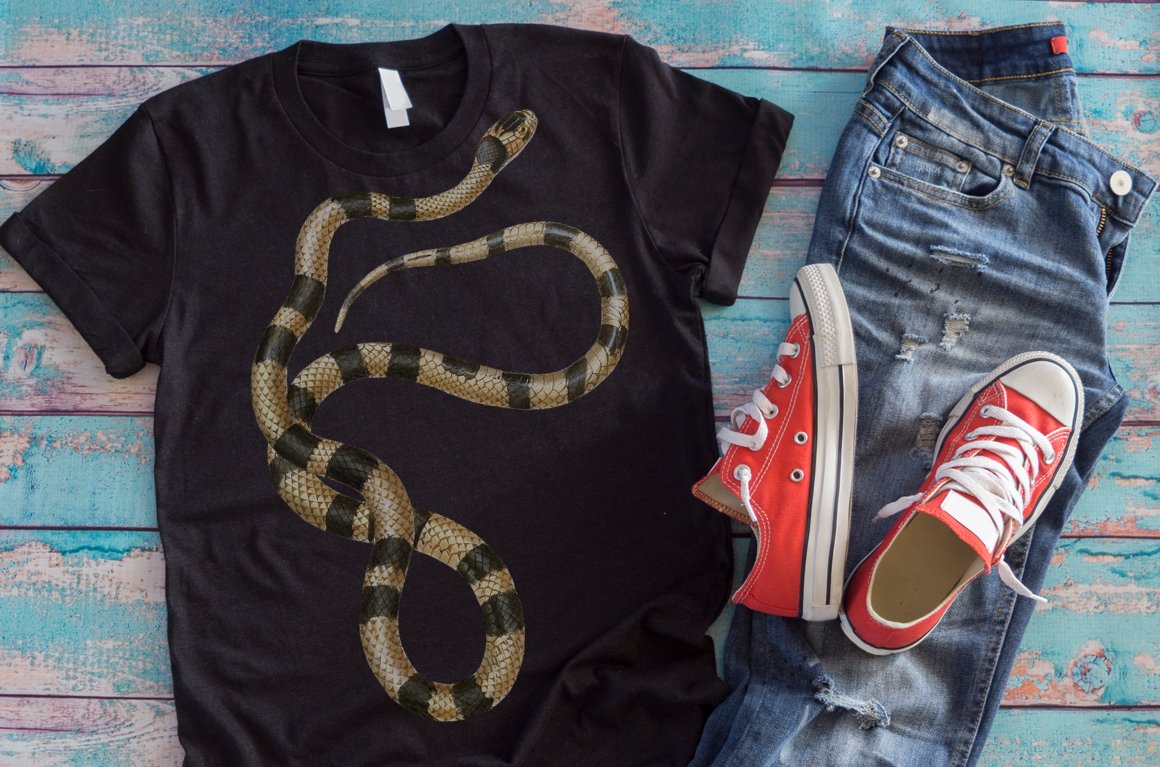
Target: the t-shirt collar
(443, 44)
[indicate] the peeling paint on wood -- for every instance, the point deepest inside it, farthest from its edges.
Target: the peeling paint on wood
(783, 33)
(82, 611)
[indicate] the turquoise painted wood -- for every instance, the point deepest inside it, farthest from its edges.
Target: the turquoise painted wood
(1054, 737)
(85, 616)
(87, 471)
(782, 33)
(82, 612)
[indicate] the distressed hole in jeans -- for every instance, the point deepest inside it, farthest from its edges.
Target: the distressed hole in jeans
(927, 436)
(954, 257)
(909, 343)
(954, 326)
(870, 713)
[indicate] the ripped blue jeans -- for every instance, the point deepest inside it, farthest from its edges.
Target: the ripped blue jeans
(970, 219)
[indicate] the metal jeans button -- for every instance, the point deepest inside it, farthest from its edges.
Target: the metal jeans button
(1121, 183)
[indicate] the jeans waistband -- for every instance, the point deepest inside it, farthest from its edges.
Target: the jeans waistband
(916, 66)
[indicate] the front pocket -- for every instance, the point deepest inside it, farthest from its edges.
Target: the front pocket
(990, 199)
(931, 160)
(910, 156)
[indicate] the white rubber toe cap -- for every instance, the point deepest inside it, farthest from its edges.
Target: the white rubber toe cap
(1051, 383)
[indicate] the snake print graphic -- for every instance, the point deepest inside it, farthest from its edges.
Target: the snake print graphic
(386, 519)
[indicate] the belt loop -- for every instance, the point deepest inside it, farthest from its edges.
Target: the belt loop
(893, 41)
(1030, 156)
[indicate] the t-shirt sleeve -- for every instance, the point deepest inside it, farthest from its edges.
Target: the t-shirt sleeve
(700, 159)
(100, 242)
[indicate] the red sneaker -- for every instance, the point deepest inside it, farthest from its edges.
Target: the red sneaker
(788, 460)
(1004, 450)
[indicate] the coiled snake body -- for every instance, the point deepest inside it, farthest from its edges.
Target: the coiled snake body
(298, 458)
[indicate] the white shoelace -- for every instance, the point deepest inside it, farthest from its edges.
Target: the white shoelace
(759, 409)
(1002, 489)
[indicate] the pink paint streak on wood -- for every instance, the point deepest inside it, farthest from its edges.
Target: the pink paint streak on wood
(1106, 40)
(601, 15)
(1031, 677)
(85, 442)
(142, 733)
(1035, 681)
(1148, 664)
(138, 577)
(13, 446)
(1129, 598)
(66, 374)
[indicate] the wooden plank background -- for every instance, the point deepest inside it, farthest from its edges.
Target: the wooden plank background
(84, 674)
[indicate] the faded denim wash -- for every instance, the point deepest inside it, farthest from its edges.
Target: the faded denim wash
(991, 229)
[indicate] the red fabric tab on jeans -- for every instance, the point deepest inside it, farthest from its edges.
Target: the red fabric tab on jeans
(1059, 44)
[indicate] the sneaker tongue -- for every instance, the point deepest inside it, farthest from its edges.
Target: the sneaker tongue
(969, 521)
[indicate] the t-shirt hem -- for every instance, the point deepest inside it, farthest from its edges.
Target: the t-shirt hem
(76, 300)
(751, 186)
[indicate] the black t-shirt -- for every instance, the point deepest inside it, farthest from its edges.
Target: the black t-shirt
(185, 240)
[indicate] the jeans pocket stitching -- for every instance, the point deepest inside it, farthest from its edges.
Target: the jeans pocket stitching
(929, 151)
(870, 114)
(970, 202)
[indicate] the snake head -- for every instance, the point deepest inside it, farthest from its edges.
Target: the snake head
(506, 139)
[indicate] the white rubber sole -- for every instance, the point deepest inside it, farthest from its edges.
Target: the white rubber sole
(953, 419)
(836, 414)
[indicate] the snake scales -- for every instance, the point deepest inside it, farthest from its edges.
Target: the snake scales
(298, 458)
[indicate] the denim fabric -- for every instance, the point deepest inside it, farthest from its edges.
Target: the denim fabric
(990, 230)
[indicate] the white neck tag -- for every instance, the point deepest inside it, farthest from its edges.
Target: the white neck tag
(395, 99)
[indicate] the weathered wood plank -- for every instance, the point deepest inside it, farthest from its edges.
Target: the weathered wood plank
(85, 615)
(88, 732)
(39, 732)
(48, 133)
(1055, 738)
(77, 471)
(782, 33)
(88, 471)
(1123, 496)
(46, 365)
(1101, 591)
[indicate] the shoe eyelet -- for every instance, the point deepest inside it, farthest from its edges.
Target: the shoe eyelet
(1049, 459)
(741, 471)
(797, 475)
(970, 435)
(797, 349)
(801, 437)
(771, 413)
(985, 410)
(788, 379)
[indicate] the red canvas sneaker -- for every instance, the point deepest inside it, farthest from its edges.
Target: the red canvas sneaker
(1005, 448)
(787, 465)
